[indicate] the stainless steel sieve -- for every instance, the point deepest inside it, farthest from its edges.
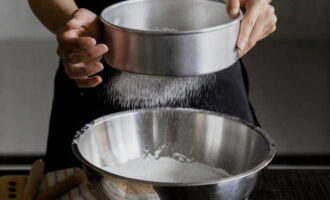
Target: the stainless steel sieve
(170, 37)
(213, 139)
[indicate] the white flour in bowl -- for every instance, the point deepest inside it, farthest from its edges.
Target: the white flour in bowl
(166, 169)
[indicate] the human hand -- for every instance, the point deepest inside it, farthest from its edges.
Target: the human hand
(78, 48)
(258, 22)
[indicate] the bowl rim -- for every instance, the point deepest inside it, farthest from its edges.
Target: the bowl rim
(179, 32)
(252, 171)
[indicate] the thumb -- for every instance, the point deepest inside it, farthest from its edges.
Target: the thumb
(233, 8)
(80, 18)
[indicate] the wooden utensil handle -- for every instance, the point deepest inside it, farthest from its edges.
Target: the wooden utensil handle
(63, 186)
(34, 179)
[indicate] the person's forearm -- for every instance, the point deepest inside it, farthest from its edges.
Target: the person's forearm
(53, 13)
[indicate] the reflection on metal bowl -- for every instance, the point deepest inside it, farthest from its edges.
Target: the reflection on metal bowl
(210, 138)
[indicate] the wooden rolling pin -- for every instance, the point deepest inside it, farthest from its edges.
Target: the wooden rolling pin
(63, 186)
(34, 179)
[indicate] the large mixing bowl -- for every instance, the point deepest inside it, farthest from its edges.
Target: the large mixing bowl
(170, 37)
(207, 137)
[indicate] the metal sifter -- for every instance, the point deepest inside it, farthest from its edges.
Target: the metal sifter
(169, 37)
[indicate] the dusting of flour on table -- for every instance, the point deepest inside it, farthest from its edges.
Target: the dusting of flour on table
(166, 169)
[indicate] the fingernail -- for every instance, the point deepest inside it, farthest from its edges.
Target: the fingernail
(93, 41)
(241, 44)
(234, 12)
(99, 78)
(105, 48)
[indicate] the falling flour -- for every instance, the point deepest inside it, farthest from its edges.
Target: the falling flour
(129, 90)
(166, 169)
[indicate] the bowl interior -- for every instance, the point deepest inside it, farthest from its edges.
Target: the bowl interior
(205, 137)
(182, 15)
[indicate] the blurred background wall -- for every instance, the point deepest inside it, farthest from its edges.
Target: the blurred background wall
(27, 64)
(289, 79)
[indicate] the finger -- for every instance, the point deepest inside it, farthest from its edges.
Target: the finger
(258, 31)
(265, 25)
(255, 36)
(81, 17)
(247, 49)
(88, 54)
(89, 81)
(241, 53)
(60, 52)
(233, 8)
(72, 41)
(81, 71)
(247, 24)
(63, 55)
(89, 62)
(270, 31)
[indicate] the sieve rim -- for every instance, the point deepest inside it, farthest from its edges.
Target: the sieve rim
(158, 32)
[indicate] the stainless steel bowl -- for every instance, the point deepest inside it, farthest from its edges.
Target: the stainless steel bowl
(204, 40)
(210, 138)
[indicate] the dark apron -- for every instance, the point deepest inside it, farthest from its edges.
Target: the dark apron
(73, 107)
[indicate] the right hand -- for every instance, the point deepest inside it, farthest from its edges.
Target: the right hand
(258, 22)
(78, 48)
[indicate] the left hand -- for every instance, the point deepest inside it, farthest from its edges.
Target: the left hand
(79, 50)
(258, 22)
